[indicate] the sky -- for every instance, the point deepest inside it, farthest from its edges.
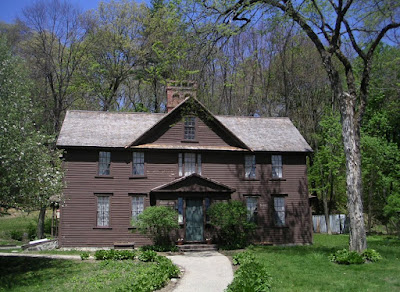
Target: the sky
(9, 9)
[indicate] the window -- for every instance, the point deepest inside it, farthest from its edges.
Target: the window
(207, 203)
(103, 211)
(251, 204)
(279, 207)
(104, 163)
(250, 166)
(138, 163)
(137, 206)
(190, 128)
(276, 166)
(179, 208)
(187, 163)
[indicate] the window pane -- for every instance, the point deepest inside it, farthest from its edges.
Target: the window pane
(251, 203)
(250, 166)
(104, 163)
(138, 163)
(279, 206)
(180, 210)
(199, 163)
(190, 128)
(276, 166)
(103, 208)
(137, 206)
(180, 164)
(190, 163)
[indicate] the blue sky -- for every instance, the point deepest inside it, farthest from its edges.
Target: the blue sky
(9, 9)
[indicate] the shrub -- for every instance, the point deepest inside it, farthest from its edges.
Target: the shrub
(167, 267)
(84, 256)
(158, 222)
(371, 255)
(114, 254)
(47, 225)
(147, 256)
(230, 220)
(243, 257)
(345, 257)
(160, 248)
(16, 234)
(251, 276)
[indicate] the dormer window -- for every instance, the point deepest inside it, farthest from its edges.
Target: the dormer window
(190, 128)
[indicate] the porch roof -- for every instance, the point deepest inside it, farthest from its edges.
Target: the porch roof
(193, 183)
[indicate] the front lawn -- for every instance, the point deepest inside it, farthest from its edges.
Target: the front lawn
(307, 268)
(40, 274)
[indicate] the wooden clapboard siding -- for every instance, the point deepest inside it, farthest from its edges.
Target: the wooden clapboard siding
(78, 215)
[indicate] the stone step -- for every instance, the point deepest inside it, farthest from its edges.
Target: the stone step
(197, 247)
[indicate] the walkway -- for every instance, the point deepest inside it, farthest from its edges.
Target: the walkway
(207, 271)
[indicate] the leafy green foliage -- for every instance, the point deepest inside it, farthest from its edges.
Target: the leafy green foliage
(114, 254)
(147, 256)
(30, 171)
(160, 248)
(346, 257)
(243, 257)
(371, 255)
(230, 220)
(251, 276)
(16, 234)
(84, 256)
(158, 222)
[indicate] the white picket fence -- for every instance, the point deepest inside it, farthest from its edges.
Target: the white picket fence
(336, 221)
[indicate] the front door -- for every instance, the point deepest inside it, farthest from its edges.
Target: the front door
(194, 220)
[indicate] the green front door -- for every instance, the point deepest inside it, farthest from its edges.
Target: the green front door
(194, 220)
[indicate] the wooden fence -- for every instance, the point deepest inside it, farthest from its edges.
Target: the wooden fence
(338, 223)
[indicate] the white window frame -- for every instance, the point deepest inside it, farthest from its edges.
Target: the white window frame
(104, 163)
(279, 211)
(103, 211)
(250, 166)
(137, 206)
(189, 128)
(189, 163)
(252, 208)
(277, 167)
(138, 165)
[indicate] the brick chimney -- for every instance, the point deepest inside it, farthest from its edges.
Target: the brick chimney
(177, 91)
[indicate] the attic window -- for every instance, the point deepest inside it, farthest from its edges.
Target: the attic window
(190, 128)
(276, 166)
(104, 163)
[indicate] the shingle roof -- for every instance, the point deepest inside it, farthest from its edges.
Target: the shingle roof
(110, 129)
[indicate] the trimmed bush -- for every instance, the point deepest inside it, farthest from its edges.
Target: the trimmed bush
(158, 222)
(251, 276)
(230, 221)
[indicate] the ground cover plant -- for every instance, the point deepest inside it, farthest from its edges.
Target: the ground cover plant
(308, 268)
(39, 274)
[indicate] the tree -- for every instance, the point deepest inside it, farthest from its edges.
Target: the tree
(30, 170)
(158, 222)
(326, 174)
(53, 53)
(115, 50)
(334, 27)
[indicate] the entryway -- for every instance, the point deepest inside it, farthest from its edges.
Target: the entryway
(194, 220)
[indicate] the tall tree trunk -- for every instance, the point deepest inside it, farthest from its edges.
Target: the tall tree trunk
(326, 212)
(40, 226)
(351, 141)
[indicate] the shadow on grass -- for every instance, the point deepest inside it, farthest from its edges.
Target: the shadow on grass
(18, 272)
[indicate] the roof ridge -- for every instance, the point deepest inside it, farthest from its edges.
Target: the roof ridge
(252, 117)
(104, 112)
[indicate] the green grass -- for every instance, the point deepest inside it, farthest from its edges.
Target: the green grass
(18, 221)
(307, 268)
(39, 274)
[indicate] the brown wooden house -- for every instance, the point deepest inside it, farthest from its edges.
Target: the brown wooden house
(117, 164)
